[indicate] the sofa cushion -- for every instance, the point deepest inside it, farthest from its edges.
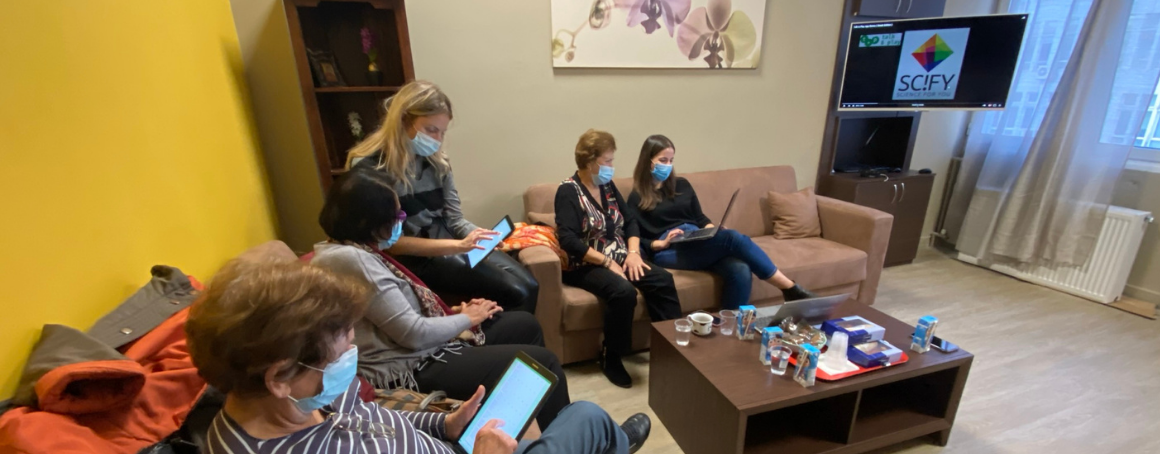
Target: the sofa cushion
(815, 263)
(795, 215)
(696, 290)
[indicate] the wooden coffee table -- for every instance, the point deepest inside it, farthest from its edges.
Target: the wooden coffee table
(714, 396)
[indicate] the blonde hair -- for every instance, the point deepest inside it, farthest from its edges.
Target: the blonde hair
(416, 99)
(591, 145)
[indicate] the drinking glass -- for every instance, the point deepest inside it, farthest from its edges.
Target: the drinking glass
(779, 359)
(728, 322)
(684, 331)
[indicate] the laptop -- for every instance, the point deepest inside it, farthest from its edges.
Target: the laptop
(704, 234)
(813, 310)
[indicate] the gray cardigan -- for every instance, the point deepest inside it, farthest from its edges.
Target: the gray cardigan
(394, 336)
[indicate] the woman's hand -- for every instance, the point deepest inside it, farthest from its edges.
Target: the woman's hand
(616, 268)
(479, 310)
(491, 440)
(635, 266)
(470, 243)
(457, 420)
(663, 243)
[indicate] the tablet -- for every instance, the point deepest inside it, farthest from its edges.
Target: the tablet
(515, 400)
(504, 227)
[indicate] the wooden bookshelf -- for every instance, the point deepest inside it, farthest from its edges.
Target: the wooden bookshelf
(334, 27)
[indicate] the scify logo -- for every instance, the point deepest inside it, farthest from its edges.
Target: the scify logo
(932, 52)
(932, 70)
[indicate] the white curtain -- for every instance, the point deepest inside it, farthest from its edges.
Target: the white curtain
(1047, 164)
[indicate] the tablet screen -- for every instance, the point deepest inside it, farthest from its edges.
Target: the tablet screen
(514, 401)
(477, 255)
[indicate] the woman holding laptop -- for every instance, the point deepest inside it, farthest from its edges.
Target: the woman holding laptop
(600, 237)
(667, 208)
(408, 146)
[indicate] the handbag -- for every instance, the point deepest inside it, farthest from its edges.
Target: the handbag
(407, 400)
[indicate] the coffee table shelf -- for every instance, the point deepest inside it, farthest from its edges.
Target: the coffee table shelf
(731, 403)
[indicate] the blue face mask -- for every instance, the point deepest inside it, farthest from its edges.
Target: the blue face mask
(336, 378)
(604, 176)
(396, 232)
(423, 145)
(661, 172)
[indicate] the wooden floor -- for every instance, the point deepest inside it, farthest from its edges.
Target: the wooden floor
(1052, 373)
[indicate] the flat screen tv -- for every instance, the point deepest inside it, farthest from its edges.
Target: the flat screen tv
(962, 63)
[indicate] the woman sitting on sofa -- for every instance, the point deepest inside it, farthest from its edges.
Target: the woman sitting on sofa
(666, 207)
(277, 339)
(408, 147)
(409, 338)
(602, 244)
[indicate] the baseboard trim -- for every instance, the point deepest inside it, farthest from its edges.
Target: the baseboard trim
(1142, 294)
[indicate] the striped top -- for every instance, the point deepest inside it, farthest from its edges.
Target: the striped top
(351, 426)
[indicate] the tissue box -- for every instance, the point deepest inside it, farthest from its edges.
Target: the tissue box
(873, 354)
(746, 322)
(859, 329)
(768, 334)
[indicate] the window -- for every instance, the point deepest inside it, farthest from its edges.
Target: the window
(1134, 91)
(1050, 37)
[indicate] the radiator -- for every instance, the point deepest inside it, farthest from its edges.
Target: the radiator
(1103, 277)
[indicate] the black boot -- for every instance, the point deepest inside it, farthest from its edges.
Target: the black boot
(637, 428)
(613, 368)
(797, 293)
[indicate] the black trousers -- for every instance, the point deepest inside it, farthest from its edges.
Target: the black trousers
(499, 278)
(507, 334)
(619, 295)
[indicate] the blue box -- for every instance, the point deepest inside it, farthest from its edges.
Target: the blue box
(746, 322)
(873, 354)
(768, 334)
(923, 332)
(807, 365)
(859, 329)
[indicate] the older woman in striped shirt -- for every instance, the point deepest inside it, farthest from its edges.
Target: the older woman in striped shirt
(276, 338)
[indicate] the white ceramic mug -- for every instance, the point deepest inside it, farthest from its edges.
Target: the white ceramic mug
(702, 323)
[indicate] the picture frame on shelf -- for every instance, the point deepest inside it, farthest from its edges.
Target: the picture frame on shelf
(324, 69)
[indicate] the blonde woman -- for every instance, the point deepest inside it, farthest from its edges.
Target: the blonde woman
(408, 146)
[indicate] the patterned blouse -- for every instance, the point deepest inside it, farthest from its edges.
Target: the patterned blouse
(583, 222)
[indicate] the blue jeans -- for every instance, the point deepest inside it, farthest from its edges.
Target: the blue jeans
(729, 254)
(581, 428)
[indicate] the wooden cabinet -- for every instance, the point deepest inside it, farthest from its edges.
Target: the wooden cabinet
(900, 8)
(904, 195)
(327, 40)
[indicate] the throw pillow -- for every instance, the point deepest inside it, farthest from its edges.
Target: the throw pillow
(795, 215)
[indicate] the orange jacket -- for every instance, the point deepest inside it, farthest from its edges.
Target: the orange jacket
(92, 406)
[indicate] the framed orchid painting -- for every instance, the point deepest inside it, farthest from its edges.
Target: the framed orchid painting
(713, 34)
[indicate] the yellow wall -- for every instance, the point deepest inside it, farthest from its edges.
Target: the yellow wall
(124, 142)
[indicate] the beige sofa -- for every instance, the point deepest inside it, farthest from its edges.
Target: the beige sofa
(846, 259)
